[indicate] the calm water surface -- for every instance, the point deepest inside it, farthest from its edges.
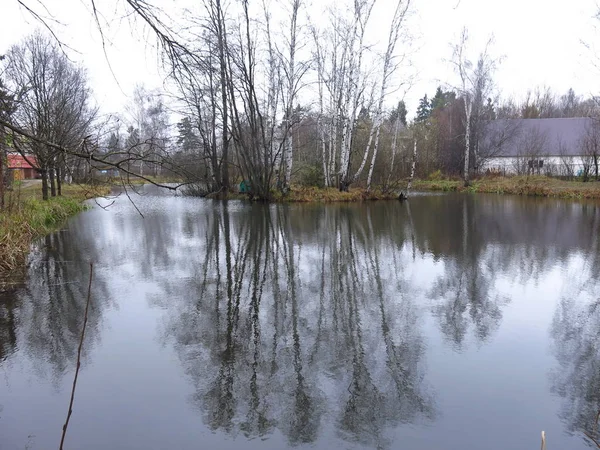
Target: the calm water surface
(449, 322)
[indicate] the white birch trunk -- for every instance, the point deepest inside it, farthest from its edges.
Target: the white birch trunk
(468, 106)
(375, 148)
(394, 147)
(289, 145)
(397, 20)
(412, 169)
(352, 96)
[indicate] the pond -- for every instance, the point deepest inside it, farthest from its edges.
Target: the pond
(449, 321)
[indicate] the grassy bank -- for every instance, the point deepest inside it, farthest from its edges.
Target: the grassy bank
(299, 194)
(314, 195)
(536, 186)
(27, 217)
(326, 195)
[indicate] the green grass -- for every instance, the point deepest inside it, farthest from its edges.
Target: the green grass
(27, 217)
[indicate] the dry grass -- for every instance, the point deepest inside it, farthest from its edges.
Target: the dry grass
(537, 186)
(327, 195)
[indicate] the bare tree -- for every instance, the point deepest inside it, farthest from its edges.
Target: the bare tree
(254, 125)
(531, 147)
(494, 138)
(388, 69)
(354, 87)
(294, 72)
(150, 121)
(590, 146)
(53, 103)
(567, 168)
(476, 84)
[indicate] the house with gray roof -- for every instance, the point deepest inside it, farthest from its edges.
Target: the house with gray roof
(563, 147)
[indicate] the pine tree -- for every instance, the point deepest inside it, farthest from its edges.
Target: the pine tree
(424, 110)
(399, 113)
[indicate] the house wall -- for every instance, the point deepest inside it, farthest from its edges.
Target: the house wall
(552, 165)
(17, 174)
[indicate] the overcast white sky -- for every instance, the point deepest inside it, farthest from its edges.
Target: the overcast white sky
(539, 42)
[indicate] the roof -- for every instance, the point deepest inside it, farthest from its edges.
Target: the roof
(547, 137)
(16, 161)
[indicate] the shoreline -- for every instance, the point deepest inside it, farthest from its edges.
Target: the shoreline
(27, 217)
(528, 186)
(314, 195)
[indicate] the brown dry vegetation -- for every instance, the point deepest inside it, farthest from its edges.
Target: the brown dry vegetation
(537, 186)
(325, 195)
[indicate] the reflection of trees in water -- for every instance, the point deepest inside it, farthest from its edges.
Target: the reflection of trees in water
(464, 292)
(576, 333)
(8, 324)
(51, 306)
(304, 313)
(282, 334)
(481, 239)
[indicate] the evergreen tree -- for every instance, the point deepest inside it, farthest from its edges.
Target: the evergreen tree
(442, 98)
(424, 110)
(187, 140)
(399, 113)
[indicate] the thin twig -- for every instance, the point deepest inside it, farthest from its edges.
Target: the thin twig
(85, 318)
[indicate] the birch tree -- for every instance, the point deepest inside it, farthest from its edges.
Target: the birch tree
(354, 84)
(388, 70)
(475, 87)
(293, 75)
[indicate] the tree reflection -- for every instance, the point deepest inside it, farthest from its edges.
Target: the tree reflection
(464, 293)
(576, 334)
(282, 333)
(8, 324)
(53, 302)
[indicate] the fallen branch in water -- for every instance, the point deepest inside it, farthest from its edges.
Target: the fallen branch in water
(594, 439)
(85, 318)
(543, 440)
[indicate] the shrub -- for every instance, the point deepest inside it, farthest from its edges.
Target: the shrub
(436, 176)
(310, 176)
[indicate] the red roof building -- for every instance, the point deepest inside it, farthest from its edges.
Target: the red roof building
(20, 167)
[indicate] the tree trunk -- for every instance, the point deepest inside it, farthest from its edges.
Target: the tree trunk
(394, 146)
(375, 149)
(58, 181)
(1, 171)
(324, 154)
(289, 144)
(44, 174)
(412, 170)
(221, 38)
(467, 142)
(52, 182)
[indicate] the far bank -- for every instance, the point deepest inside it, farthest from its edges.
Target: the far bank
(533, 186)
